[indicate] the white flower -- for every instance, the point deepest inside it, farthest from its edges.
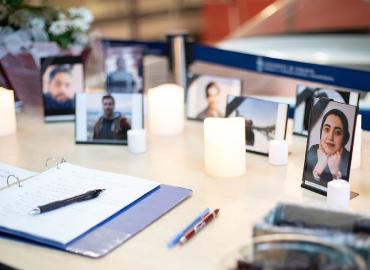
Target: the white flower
(61, 16)
(58, 27)
(37, 23)
(79, 24)
(81, 13)
(80, 38)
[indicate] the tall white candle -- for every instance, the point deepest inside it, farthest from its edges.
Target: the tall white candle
(224, 146)
(7, 112)
(338, 194)
(166, 109)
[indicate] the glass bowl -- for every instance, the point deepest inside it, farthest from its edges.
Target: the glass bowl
(288, 252)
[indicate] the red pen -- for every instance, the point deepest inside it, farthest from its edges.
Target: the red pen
(207, 219)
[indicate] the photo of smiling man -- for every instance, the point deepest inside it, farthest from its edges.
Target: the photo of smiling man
(330, 144)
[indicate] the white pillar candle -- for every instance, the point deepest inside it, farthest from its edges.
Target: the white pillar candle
(224, 146)
(356, 154)
(136, 140)
(166, 109)
(338, 194)
(7, 112)
(278, 152)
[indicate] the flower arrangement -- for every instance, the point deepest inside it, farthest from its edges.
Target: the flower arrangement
(43, 23)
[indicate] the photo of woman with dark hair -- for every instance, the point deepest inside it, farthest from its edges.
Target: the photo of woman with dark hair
(207, 95)
(329, 159)
(212, 93)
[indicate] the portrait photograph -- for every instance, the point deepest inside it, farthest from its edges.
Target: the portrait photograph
(264, 121)
(329, 144)
(207, 95)
(124, 69)
(61, 79)
(105, 118)
(304, 97)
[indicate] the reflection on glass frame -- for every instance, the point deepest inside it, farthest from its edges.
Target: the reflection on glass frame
(304, 96)
(264, 120)
(61, 78)
(207, 95)
(329, 144)
(105, 118)
(124, 69)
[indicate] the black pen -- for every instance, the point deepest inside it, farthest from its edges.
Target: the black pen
(58, 204)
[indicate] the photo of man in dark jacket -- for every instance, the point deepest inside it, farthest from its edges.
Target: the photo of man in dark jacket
(111, 125)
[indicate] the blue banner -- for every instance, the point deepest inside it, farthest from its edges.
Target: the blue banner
(330, 75)
(159, 48)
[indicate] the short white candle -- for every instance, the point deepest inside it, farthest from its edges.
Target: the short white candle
(278, 152)
(166, 109)
(357, 143)
(338, 194)
(7, 112)
(136, 140)
(224, 146)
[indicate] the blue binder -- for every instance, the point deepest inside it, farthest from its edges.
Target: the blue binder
(111, 233)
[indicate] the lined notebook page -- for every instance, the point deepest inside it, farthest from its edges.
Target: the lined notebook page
(6, 170)
(65, 224)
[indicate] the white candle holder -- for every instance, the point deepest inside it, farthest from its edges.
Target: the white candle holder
(224, 147)
(338, 194)
(136, 140)
(278, 152)
(8, 124)
(166, 110)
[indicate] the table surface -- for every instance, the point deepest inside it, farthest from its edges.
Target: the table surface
(176, 160)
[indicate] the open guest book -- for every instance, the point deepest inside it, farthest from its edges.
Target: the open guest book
(93, 227)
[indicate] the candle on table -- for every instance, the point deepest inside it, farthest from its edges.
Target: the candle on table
(166, 109)
(278, 152)
(7, 112)
(224, 146)
(136, 140)
(338, 194)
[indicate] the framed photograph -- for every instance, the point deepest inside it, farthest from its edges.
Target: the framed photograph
(207, 95)
(304, 97)
(106, 118)
(124, 69)
(329, 144)
(264, 120)
(61, 78)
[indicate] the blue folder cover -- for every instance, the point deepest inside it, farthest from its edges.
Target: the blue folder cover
(129, 221)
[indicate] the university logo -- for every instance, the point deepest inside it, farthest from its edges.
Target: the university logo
(259, 64)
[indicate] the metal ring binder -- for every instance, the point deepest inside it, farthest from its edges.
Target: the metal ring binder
(57, 162)
(12, 175)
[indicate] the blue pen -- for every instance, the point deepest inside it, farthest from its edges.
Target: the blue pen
(177, 237)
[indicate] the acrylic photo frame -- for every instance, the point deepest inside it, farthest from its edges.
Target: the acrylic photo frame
(329, 144)
(206, 95)
(304, 96)
(62, 77)
(265, 120)
(98, 123)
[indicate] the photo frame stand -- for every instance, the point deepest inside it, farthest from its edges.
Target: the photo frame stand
(324, 193)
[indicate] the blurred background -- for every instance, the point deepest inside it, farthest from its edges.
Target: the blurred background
(319, 31)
